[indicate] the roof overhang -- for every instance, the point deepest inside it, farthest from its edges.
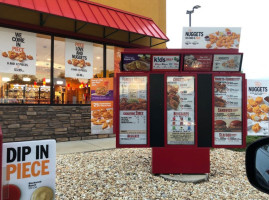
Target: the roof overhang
(82, 18)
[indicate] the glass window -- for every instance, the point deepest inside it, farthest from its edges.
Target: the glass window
(70, 90)
(113, 58)
(29, 89)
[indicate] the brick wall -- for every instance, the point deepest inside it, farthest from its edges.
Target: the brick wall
(63, 123)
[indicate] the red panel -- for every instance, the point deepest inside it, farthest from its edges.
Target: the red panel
(28, 4)
(152, 30)
(118, 20)
(108, 18)
(135, 24)
(41, 6)
(88, 13)
(77, 11)
(126, 22)
(158, 30)
(142, 25)
(66, 9)
(54, 7)
(100, 18)
(12, 2)
(177, 161)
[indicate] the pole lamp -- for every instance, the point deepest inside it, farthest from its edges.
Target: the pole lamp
(192, 11)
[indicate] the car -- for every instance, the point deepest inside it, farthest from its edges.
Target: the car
(257, 164)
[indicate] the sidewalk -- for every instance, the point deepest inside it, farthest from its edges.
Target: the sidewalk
(85, 145)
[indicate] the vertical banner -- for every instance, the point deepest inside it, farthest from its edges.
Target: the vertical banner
(180, 110)
(29, 170)
(78, 59)
(18, 51)
(102, 105)
(228, 128)
(133, 110)
(258, 107)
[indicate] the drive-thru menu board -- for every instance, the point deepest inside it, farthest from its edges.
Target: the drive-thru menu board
(228, 110)
(133, 110)
(258, 107)
(180, 110)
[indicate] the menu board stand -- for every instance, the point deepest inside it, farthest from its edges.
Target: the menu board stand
(180, 112)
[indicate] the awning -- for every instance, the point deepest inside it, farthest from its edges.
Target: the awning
(90, 12)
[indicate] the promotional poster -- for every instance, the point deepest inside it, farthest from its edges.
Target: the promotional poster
(227, 62)
(228, 126)
(78, 59)
(136, 62)
(102, 117)
(101, 89)
(18, 51)
(29, 170)
(211, 37)
(180, 110)
(165, 62)
(197, 62)
(133, 110)
(258, 107)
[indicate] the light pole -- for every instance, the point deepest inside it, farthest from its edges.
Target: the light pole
(192, 11)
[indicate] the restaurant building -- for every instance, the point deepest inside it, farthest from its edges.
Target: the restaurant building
(39, 97)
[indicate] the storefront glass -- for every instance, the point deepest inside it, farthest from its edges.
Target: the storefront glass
(20, 88)
(113, 58)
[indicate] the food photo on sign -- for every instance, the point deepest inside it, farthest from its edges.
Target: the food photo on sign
(258, 107)
(101, 89)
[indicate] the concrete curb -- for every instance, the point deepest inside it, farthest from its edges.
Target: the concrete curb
(186, 178)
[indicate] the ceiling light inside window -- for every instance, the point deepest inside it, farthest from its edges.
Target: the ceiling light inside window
(5, 79)
(26, 79)
(59, 82)
(98, 57)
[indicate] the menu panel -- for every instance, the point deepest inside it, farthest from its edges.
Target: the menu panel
(228, 110)
(133, 110)
(136, 62)
(227, 62)
(180, 110)
(195, 62)
(165, 62)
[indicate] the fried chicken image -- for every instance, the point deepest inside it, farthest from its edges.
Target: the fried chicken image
(173, 98)
(219, 102)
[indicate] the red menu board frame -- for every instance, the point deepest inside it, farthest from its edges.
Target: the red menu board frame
(181, 74)
(117, 110)
(243, 110)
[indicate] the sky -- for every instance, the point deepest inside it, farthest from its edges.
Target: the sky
(251, 16)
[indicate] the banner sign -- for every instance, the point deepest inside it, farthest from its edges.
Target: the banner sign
(29, 170)
(211, 37)
(228, 127)
(78, 59)
(133, 110)
(180, 110)
(18, 51)
(258, 107)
